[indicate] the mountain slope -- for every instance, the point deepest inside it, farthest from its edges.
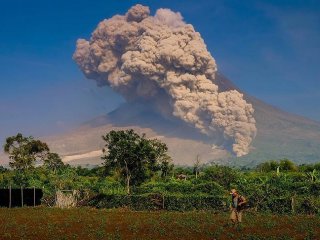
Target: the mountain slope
(184, 142)
(280, 135)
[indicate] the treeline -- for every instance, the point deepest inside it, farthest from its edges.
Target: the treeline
(138, 173)
(280, 191)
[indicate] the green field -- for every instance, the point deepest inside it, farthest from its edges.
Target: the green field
(88, 223)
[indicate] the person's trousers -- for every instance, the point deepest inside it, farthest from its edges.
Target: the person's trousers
(236, 215)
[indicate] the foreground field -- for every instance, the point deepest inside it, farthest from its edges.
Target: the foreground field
(86, 223)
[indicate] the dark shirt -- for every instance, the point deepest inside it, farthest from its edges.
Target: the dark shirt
(234, 202)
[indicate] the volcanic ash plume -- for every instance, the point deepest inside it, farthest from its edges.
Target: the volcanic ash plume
(164, 61)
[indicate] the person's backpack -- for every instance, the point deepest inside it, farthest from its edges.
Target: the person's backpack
(241, 199)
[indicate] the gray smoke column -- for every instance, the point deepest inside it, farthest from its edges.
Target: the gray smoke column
(163, 60)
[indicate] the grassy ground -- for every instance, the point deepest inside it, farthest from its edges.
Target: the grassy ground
(86, 223)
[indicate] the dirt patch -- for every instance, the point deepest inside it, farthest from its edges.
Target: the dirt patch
(86, 223)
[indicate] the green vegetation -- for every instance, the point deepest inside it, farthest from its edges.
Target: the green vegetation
(137, 173)
(24, 152)
(135, 158)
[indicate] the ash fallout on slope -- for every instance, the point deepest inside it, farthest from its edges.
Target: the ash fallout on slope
(163, 60)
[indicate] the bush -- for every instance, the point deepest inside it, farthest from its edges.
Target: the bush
(307, 205)
(109, 186)
(155, 201)
(181, 187)
(278, 205)
(223, 175)
(210, 188)
(283, 165)
(194, 202)
(179, 202)
(134, 202)
(315, 188)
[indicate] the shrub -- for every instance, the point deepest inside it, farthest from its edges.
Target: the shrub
(315, 188)
(210, 188)
(181, 187)
(308, 205)
(155, 201)
(279, 205)
(194, 202)
(223, 175)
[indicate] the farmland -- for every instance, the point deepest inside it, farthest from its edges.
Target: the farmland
(90, 223)
(139, 194)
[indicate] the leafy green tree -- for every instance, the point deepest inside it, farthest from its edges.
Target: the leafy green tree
(81, 171)
(98, 171)
(224, 175)
(268, 166)
(287, 165)
(185, 170)
(166, 166)
(53, 162)
(3, 169)
(197, 166)
(135, 157)
(24, 152)
(282, 165)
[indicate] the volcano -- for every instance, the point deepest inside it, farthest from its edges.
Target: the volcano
(279, 135)
(174, 92)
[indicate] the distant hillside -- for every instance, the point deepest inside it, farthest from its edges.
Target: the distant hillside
(184, 142)
(283, 135)
(280, 135)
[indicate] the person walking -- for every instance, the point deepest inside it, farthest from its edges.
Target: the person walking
(237, 205)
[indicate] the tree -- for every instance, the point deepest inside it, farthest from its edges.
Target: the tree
(24, 152)
(282, 165)
(53, 162)
(287, 165)
(223, 175)
(166, 166)
(268, 166)
(3, 169)
(197, 166)
(134, 156)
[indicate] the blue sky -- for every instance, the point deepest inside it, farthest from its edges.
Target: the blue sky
(270, 49)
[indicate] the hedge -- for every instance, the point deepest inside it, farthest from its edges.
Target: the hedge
(301, 205)
(156, 201)
(307, 205)
(181, 187)
(179, 202)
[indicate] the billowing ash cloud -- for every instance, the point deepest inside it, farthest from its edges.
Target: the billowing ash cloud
(163, 60)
